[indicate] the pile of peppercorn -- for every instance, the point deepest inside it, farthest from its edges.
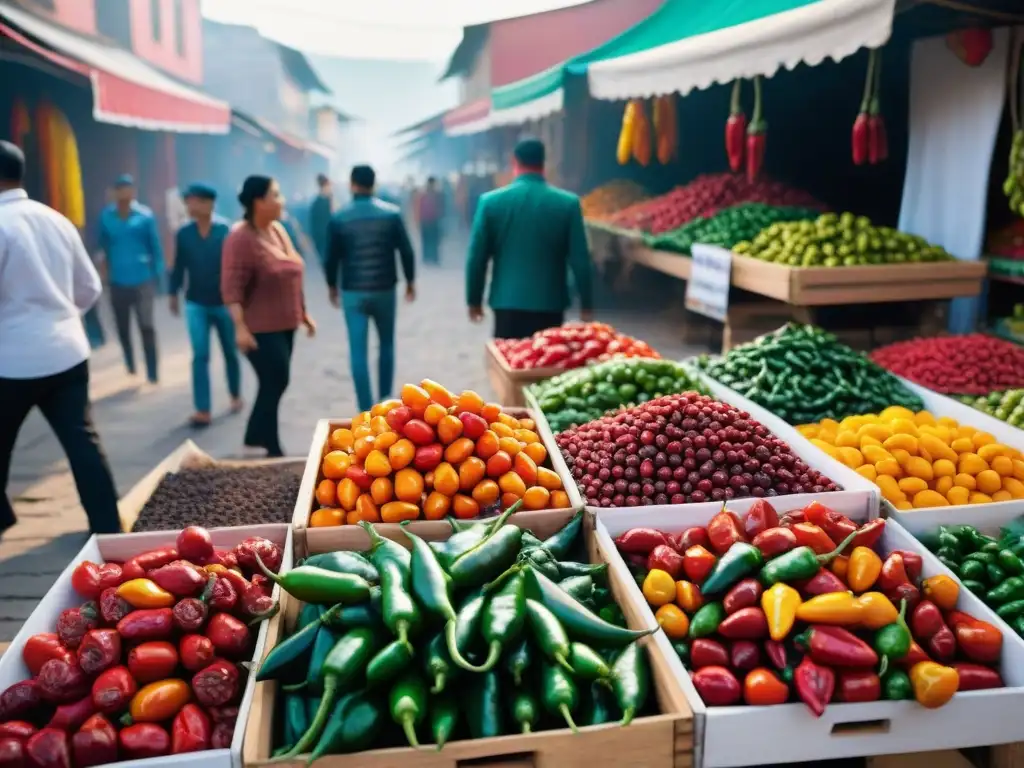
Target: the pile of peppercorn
(764, 610)
(490, 633)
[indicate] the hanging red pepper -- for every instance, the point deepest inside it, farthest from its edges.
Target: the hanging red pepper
(878, 142)
(735, 129)
(860, 141)
(757, 135)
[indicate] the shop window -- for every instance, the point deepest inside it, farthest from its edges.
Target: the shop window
(154, 20)
(179, 27)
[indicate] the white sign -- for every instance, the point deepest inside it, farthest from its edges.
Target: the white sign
(707, 290)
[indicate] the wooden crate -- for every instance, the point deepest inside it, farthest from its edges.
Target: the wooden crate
(659, 741)
(508, 382)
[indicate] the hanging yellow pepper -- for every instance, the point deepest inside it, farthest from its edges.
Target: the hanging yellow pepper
(837, 608)
(625, 148)
(780, 603)
(878, 610)
(144, 593)
(933, 683)
(863, 569)
(642, 136)
(942, 591)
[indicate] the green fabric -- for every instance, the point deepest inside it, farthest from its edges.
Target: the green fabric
(533, 233)
(674, 21)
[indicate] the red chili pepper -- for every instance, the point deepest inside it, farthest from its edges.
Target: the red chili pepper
(756, 136)
(697, 536)
(255, 605)
(113, 689)
(132, 570)
(893, 573)
(881, 140)
(265, 585)
(815, 685)
(744, 594)
(223, 734)
(810, 535)
(836, 647)
(717, 686)
(664, 558)
(925, 620)
(792, 517)
(876, 126)
(49, 748)
(777, 654)
(148, 624)
(196, 652)
(110, 575)
(224, 557)
(640, 541)
(744, 655)
(191, 730)
(907, 592)
(867, 535)
(856, 685)
(697, 564)
(19, 700)
(155, 558)
(190, 614)
(735, 129)
(775, 541)
(229, 636)
(61, 681)
(95, 743)
(224, 596)
(705, 652)
(942, 645)
(724, 530)
(236, 579)
(16, 729)
(12, 753)
(216, 684)
(152, 661)
(745, 624)
(913, 564)
(223, 714)
(859, 139)
(194, 543)
(760, 517)
(113, 607)
(144, 740)
(100, 650)
(73, 623)
(914, 655)
(977, 677)
(69, 716)
(179, 578)
(40, 648)
(837, 525)
(979, 640)
(269, 552)
(821, 583)
(85, 580)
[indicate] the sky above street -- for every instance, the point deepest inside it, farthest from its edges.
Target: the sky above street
(387, 29)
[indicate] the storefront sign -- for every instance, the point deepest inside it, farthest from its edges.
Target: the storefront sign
(707, 290)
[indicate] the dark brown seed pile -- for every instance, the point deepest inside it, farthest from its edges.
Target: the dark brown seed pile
(222, 496)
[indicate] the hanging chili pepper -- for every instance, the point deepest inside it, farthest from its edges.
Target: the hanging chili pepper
(860, 141)
(878, 143)
(836, 647)
(756, 135)
(735, 129)
(815, 685)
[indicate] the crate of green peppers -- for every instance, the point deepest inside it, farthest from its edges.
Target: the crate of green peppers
(424, 657)
(728, 227)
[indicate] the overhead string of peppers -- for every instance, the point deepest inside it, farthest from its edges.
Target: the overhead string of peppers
(736, 129)
(757, 135)
(869, 141)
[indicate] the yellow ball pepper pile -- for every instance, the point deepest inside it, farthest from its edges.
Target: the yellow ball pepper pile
(922, 461)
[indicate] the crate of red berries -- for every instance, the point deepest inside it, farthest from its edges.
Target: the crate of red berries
(801, 631)
(137, 655)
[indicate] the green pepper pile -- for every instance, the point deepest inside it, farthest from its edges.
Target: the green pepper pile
(492, 632)
(838, 240)
(1006, 406)
(804, 375)
(585, 394)
(991, 567)
(728, 227)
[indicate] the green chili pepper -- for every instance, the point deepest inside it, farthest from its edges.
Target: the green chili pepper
(1010, 562)
(467, 625)
(971, 569)
(597, 571)
(389, 663)
(325, 640)
(312, 705)
(948, 553)
(330, 740)
(631, 681)
(892, 642)
(430, 583)
(612, 614)
(307, 615)
(444, 716)
(577, 619)
(524, 711)
(800, 563)
(682, 649)
(1010, 610)
(490, 557)
(459, 543)
(518, 660)
(295, 720)
(345, 562)
(384, 547)
(503, 621)
(559, 693)
(975, 586)
(318, 585)
(483, 706)
(578, 587)
(354, 726)
(597, 707)
(995, 574)
(896, 685)
(987, 558)
(549, 633)
(400, 613)
(561, 543)
(541, 560)
(408, 705)
(738, 562)
(949, 540)
(293, 648)
(706, 620)
(1018, 625)
(587, 664)
(437, 663)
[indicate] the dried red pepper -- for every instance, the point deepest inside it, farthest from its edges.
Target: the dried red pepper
(191, 730)
(113, 689)
(224, 596)
(190, 614)
(269, 553)
(12, 753)
(61, 681)
(19, 700)
(256, 605)
(49, 748)
(16, 729)
(69, 716)
(735, 128)
(216, 684)
(227, 714)
(113, 607)
(757, 135)
(95, 743)
(100, 650)
(40, 648)
(223, 733)
(73, 623)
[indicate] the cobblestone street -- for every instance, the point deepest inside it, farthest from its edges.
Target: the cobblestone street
(140, 428)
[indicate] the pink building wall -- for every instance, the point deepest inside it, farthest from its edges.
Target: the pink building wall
(79, 15)
(184, 58)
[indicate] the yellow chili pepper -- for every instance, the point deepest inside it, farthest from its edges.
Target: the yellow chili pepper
(933, 683)
(838, 608)
(673, 621)
(659, 588)
(878, 610)
(688, 597)
(216, 568)
(863, 569)
(942, 591)
(144, 593)
(159, 701)
(840, 566)
(780, 603)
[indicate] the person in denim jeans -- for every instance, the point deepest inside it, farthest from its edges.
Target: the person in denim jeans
(199, 247)
(361, 244)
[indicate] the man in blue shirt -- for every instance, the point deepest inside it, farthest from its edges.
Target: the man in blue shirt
(134, 265)
(197, 257)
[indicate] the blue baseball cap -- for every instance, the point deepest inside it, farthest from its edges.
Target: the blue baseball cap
(200, 190)
(124, 180)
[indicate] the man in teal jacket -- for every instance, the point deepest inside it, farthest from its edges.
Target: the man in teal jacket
(534, 234)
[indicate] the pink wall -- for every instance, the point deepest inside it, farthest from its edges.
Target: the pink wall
(164, 53)
(79, 15)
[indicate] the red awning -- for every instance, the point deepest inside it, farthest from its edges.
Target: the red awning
(471, 117)
(126, 90)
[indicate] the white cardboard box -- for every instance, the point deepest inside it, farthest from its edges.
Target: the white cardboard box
(121, 547)
(741, 735)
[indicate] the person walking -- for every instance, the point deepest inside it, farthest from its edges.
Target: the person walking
(198, 251)
(362, 241)
(534, 234)
(320, 216)
(261, 284)
(133, 259)
(429, 211)
(47, 281)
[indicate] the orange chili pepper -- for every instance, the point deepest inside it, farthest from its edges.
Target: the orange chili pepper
(159, 701)
(942, 591)
(688, 597)
(145, 593)
(864, 568)
(840, 566)
(933, 683)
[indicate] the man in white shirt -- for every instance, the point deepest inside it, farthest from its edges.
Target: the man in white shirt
(46, 282)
